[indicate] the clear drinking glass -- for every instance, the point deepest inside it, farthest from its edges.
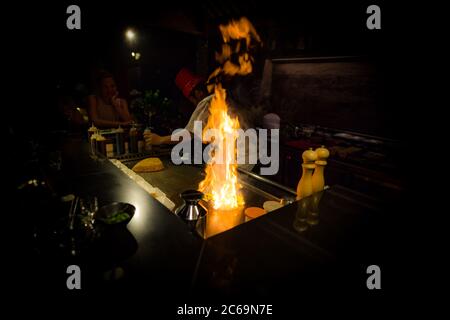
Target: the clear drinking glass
(88, 208)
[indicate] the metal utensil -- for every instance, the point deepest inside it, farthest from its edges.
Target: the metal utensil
(190, 210)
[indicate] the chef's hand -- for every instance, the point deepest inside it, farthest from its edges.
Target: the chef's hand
(153, 139)
(116, 102)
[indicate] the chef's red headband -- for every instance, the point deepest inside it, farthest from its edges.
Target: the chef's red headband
(186, 81)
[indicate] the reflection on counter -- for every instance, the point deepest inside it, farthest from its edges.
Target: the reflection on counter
(217, 221)
(308, 212)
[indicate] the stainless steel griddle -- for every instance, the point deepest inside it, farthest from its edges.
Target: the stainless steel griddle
(175, 179)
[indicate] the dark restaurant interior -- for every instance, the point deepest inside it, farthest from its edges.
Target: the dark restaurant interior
(98, 187)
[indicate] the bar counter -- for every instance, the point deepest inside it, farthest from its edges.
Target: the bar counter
(284, 251)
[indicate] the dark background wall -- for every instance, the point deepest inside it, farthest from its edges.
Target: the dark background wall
(345, 93)
(172, 34)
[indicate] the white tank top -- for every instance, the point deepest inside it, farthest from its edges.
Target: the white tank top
(106, 111)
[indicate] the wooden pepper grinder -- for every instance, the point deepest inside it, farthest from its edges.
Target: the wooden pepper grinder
(318, 178)
(304, 187)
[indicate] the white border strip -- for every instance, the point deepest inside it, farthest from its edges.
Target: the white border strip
(153, 191)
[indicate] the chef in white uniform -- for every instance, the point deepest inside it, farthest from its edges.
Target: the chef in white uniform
(194, 90)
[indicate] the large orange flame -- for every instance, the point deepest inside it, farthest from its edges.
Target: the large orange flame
(221, 182)
(221, 185)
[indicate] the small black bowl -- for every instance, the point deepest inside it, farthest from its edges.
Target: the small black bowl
(107, 211)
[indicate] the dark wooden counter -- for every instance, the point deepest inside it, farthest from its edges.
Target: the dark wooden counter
(284, 251)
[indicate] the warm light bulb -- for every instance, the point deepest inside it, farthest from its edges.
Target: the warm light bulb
(130, 35)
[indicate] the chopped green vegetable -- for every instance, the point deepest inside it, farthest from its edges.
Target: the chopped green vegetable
(116, 218)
